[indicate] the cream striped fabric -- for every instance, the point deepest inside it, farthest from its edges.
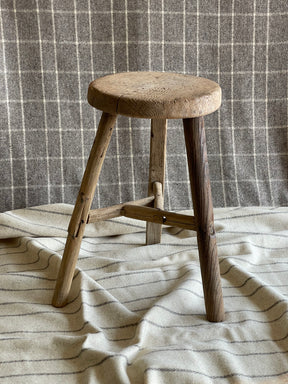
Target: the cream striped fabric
(136, 313)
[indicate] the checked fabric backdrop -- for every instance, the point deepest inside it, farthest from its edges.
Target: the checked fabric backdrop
(51, 49)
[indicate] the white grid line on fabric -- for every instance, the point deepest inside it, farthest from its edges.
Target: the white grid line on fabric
(79, 85)
(163, 35)
(97, 190)
(8, 118)
(219, 110)
(116, 126)
(149, 34)
(115, 11)
(257, 100)
(129, 120)
(184, 71)
(197, 38)
(92, 72)
(112, 36)
(44, 105)
(184, 37)
(47, 101)
(253, 103)
(266, 101)
(211, 128)
(232, 104)
(22, 104)
(215, 181)
(170, 127)
(126, 36)
(240, 155)
(58, 100)
(144, 42)
(264, 72)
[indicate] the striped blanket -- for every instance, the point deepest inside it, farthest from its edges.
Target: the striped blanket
(136, 313)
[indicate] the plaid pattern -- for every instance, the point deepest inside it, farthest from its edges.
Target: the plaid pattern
(52, 49)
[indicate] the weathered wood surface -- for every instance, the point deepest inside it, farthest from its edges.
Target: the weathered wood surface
(81, 210)
(116, 210)
(155, 95)
(203, 210)
(156, 174)
(155, 215)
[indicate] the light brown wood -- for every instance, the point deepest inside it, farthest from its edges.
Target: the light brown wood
(158, 194)
(81, 210)
(159, 216)
(101, 214)
(155, 95)
(158, 96)
(203, 210)
(156, 174)
(153, 230)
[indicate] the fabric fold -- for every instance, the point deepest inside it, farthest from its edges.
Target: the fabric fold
(136, 313)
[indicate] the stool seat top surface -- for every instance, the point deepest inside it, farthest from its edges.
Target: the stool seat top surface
(155, 95)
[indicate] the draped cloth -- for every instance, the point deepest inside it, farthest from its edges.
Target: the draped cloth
(136, 313)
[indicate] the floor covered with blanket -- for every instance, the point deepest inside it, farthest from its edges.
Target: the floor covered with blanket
(136, 313)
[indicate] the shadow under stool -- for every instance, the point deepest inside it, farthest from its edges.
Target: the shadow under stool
(157, 96)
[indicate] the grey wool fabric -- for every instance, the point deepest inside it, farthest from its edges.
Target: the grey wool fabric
(50, 51)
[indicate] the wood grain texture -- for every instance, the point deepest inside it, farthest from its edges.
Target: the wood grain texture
(158, 195)
(155, 95)
(156, 174)
(153, 230)
(116, 210)
(203, 210)
(81, 209)
(154, 215)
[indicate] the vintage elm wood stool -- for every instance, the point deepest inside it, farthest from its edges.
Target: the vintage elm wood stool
(157, 96)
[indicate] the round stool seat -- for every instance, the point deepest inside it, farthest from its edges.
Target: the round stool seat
(155, 95)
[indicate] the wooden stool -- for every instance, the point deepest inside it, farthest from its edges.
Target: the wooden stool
(156, 96)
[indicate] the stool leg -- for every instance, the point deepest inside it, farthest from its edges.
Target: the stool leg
(156, 173)
(81, 209)
(203, 210)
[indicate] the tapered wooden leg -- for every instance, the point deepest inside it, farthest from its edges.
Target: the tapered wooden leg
(156, 174)
(203, 212)
(81, 210)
